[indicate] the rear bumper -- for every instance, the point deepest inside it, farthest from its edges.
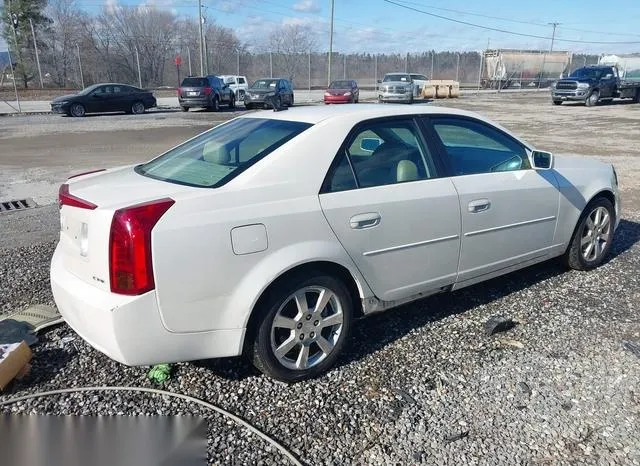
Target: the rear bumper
(129, 329)
(194, 101)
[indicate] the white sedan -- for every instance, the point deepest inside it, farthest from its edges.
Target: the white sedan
(268, 234)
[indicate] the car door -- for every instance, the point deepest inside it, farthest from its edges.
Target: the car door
(608, 83)
(509, 210)
(394, 214)
(121, 99)
(97, 100)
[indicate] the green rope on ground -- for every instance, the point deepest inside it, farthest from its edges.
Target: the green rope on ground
(160, 373)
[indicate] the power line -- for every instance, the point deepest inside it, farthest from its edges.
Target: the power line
(511, 20)
(505, 31)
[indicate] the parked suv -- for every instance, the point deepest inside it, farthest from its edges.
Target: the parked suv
(277, 90)
(208, 91)
(238, 85)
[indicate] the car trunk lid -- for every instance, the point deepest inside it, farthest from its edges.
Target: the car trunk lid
(86, 212)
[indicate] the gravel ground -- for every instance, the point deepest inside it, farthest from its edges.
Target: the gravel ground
(418, 385)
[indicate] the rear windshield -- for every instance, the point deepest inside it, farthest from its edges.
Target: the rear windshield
(194, 82)
(215, 157)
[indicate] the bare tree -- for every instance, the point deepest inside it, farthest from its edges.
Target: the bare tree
(67, 29)
(291, 43)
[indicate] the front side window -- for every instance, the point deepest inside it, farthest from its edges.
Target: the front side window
(241, 81)
(473, 147)
(217, 156)
(380, 153)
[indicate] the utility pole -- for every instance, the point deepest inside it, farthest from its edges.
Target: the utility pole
(432, 59)
(189, 58)
(458, 68)
(309, 70)
(238, 64)
(270, 64)
(139, 73)
(330, 44)
(200, 39)
(13, 75)
(80, 66)
(553, 35)
(35, 46)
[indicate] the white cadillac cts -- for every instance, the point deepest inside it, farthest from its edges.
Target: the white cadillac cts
(270, 233)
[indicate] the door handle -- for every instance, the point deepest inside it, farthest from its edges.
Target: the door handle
(362, 221)
(479, 205)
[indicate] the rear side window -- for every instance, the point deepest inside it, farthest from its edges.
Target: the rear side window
(219, 155)
(241, 81)
(194, 82)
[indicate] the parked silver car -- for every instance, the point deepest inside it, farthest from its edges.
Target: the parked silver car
(396, 87)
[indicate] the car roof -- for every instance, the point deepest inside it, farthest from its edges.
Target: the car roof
(317, 113)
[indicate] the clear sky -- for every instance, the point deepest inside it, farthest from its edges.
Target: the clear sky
(379, 26)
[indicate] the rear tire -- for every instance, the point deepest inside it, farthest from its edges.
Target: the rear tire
(232, 102)
(215, 104)
(593, 236)
(593, 99)
(184, 109)
(557, 102)
(137, 108)
(323, 332)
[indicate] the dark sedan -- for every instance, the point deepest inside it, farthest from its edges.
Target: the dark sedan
(104, 98)
(342, 92)
(267, 92)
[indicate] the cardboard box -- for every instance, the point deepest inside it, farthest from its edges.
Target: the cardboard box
(14, 360)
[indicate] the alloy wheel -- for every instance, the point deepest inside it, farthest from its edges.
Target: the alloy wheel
(307, 327)
(596, 234)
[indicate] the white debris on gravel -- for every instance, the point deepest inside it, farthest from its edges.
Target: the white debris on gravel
(421, 384)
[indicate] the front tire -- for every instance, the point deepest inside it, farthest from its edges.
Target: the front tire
(184, 109)
(593, 99)
(303, 328)
(78, 110)
(592, 238)
(557, 102)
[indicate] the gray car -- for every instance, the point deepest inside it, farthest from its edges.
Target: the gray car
(396, 87)
(277, 90)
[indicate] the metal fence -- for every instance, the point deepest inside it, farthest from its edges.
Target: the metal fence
(83, 67)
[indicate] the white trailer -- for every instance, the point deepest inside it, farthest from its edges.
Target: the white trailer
(505, 68)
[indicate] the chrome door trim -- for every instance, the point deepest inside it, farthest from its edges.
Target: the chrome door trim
(410, 245)
(512, 225)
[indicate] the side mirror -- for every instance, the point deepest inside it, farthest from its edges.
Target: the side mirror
(608, 76)
(379, 81)
(369, 144)
(542, 160)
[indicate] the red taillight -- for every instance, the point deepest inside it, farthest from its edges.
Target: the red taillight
(87, 173)
(207, 90)
(179, 91)
(130, 265)
(64, 198)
